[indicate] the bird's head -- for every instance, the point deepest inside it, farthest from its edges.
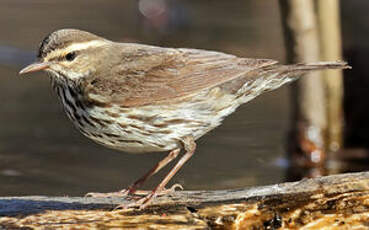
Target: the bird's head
(70, 54)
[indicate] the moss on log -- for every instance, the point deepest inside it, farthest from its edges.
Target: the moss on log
(338, 201)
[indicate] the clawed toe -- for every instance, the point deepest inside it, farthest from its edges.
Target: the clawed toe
(145, 201)
(140, 203)
(174, 187)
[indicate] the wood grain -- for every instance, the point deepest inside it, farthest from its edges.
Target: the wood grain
(339, 201)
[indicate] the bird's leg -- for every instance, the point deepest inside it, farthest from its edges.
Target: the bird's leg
(133, 188)
(190, 146)
(171, 156)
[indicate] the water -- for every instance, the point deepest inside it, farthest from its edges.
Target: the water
(40, 151)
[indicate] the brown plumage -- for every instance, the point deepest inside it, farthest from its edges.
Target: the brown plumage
(140, 98)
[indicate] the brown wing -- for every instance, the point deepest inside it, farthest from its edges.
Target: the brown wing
(154, 74)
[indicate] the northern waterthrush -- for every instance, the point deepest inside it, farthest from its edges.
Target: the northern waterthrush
(139, 98)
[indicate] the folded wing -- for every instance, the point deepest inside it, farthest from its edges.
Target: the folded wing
(157, 74)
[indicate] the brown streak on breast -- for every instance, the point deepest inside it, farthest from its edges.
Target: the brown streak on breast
(112, 114)
(162, 125)
(142, 118)
(131, 141)
(101, 122)
(123, 126)
(111, 135)
(88, 121)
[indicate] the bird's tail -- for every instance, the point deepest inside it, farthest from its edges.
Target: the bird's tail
(303, 67)
(276, 75)
(292, 72)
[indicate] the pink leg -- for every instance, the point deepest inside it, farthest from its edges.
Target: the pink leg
(190, 147)
(171, 156)
(133, 188)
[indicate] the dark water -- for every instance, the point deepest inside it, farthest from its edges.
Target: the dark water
(40, 151)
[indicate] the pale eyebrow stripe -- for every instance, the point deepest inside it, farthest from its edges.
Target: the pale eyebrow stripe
(85, 45)
(75, 47)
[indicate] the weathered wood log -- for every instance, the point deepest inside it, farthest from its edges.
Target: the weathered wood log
(330, 202)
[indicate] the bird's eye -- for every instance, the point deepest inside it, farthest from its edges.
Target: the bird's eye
(70, 56)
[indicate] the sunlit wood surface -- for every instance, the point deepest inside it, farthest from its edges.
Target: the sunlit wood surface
(339, 201)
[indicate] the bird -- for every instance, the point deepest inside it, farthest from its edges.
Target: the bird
(140, 98)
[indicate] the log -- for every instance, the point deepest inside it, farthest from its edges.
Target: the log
(333, 201)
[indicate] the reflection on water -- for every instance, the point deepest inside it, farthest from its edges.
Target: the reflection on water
(40, 151)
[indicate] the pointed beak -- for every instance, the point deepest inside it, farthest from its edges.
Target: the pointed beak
(35, 67)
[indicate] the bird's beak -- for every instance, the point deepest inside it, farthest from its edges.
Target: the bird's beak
(35, 67)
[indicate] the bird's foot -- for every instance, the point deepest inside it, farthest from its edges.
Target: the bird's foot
(166, 191)
(122, 193)
(146, 200)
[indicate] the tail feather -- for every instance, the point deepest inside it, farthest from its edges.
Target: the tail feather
(294, 71)
(320, 66)
(278, 75)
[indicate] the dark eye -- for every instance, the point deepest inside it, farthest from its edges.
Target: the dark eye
(70, 56)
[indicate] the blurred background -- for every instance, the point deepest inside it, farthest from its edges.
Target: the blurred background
(42, 154)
